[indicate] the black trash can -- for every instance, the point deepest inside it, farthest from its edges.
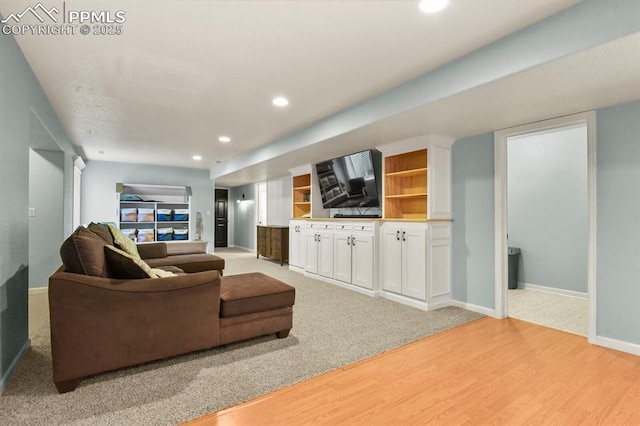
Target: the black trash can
(514, 257)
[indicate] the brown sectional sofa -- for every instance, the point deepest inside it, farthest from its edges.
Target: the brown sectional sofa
(100, 323)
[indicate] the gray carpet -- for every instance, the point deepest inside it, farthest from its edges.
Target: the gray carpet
(332, 327)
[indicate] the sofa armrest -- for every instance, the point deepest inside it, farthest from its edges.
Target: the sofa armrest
(101, 324)
(152, 250)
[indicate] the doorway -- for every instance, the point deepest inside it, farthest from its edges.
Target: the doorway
(221, 217)
(501, 208)
(548, 228)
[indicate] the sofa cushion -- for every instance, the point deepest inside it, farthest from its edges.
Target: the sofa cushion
(190, 263)
(83, 253)
(123, 242)
(101, 231)
(125, 266)
(152, 250)
(254, 292)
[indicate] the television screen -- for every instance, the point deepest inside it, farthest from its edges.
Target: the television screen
(349, 181)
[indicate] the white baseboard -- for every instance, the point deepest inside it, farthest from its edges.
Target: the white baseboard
(244, 248)
(619, 345)
(562, 292)
(5, 378)
(351, 287)
(414, 303)
(296, 269)
(474, 308)
(38, 290)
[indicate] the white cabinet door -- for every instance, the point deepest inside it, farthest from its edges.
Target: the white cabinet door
(296, 243)
(391, 259)
(311, 248)
(414, 262)
(325, 254)
(342, 256)
(362, 249)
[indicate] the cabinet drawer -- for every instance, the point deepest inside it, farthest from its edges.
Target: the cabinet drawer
(320, 226)
(363, 228)
(343, 227)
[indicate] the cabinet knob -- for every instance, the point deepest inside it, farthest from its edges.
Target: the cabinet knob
(404, 236)
(353, 241)
(348, 241)
(398, 235)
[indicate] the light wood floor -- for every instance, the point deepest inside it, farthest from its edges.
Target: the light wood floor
(501, 372)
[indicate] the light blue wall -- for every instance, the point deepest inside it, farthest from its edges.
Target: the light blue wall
(618, 236)
(22, 101)
(618, 222)
(244, 215)
(548, 207)
(473, 217)
(99, 178)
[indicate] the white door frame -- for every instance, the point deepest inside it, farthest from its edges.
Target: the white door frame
(500, 182)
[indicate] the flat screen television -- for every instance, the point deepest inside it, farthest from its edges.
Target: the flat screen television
(350, 181)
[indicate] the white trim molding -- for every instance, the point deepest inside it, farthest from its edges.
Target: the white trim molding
(618, 345)
(554, 290)
(38, 290)
(500, 205)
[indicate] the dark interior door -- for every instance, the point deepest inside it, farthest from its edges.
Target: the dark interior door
(222, 212)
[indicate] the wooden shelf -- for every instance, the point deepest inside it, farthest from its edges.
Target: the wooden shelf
(302, 196)
(405, 186)
(408, 173)
(406, 196)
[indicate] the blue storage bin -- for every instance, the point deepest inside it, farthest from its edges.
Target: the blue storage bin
(181, 215)
(165, 234)
(164, 215)
(181, 234)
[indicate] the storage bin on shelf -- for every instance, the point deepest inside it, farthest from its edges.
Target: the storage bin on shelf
(145, 235)
(164, 215)
(129, 215)
(181, 234)
(146, 215)
(181, 215)
(130, 233)
(165, 234)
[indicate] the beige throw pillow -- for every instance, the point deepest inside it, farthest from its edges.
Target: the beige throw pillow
(123, 242)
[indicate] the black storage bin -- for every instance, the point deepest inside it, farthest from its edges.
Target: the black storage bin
(514, 257)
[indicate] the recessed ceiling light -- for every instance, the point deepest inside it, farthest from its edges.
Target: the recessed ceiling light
(224, 139)
(280, 101)
(197, 157)
(432, 6)
(100, 152)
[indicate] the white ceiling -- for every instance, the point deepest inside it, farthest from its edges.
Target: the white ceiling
(184, 73)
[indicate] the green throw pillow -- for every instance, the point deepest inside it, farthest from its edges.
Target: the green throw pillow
(123, 242)
(122, 265)
(161, 273)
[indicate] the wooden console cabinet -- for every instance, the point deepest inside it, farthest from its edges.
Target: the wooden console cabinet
(273, 242)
